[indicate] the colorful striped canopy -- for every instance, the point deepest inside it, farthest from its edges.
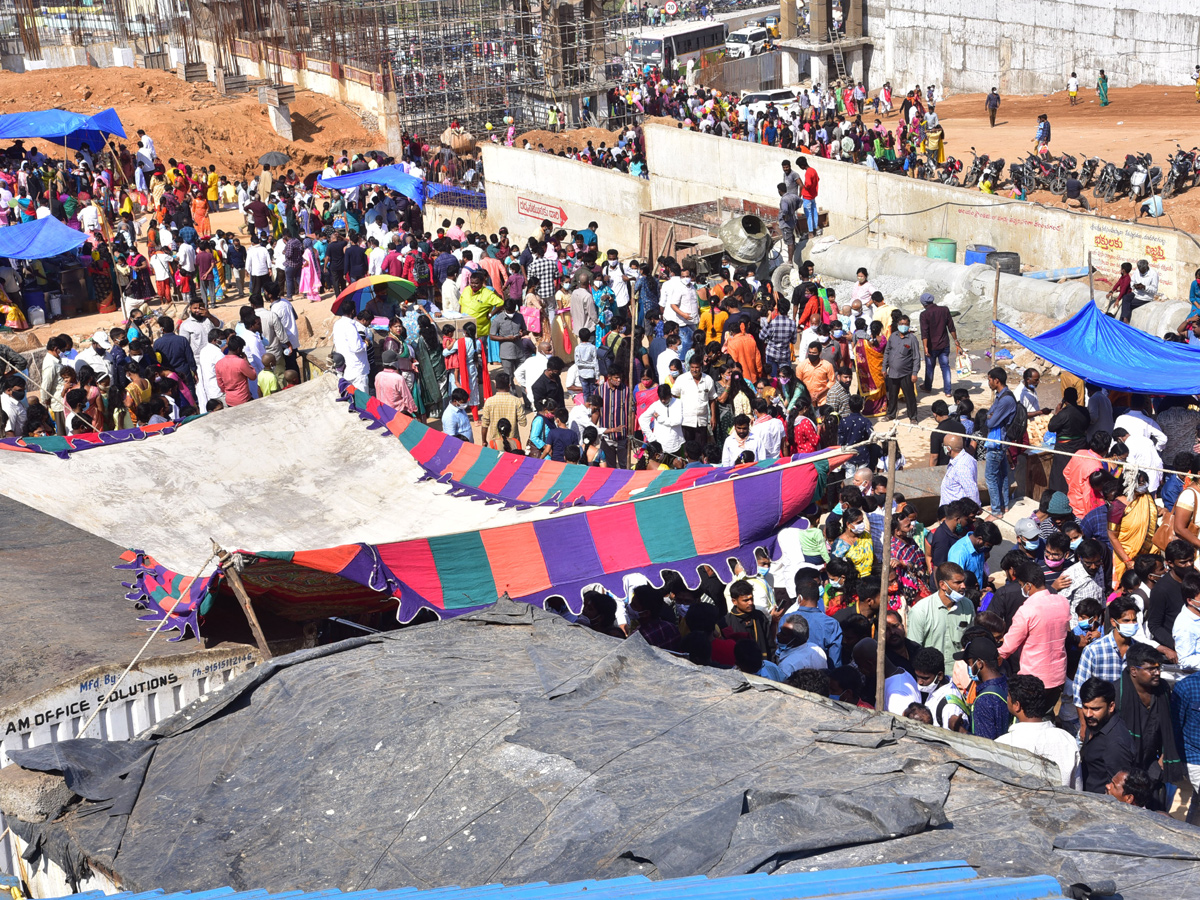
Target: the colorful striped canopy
(523, 481)
(709, 524)
(63, 447)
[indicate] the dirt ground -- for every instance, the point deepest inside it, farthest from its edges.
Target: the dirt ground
(1142, 119)
(192, 122)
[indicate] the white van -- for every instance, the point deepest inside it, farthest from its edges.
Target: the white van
(746, 42)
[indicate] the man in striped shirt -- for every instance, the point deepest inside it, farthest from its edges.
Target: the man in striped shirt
(614, 412)
(546, 272)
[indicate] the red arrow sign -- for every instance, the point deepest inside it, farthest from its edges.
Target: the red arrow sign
(535, 209)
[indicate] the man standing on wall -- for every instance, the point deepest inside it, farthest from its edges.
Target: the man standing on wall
(808, 194)
(788, 205)
(992, 104)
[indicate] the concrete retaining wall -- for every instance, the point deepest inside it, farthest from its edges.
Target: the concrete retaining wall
(1031, 46)
(521, 182)
(881, 210)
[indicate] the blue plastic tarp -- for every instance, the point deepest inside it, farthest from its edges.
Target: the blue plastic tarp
(1103, 351)
(61, 127)
(416, 189)
(39, 239)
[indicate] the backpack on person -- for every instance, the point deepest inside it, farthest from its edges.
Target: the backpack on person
(1014, 431)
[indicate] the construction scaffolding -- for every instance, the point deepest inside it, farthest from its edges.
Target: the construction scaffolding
(470, 61)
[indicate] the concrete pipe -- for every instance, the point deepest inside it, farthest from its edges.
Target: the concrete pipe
(1159, 318)
(967, 290)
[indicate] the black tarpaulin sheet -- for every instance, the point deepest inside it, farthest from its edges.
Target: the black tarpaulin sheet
(512, 747)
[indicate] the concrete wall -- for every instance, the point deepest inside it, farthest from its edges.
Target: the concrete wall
(1031, 46)
(881, 210)
(584, 192)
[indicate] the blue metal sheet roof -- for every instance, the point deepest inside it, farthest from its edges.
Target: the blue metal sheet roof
(948, 880)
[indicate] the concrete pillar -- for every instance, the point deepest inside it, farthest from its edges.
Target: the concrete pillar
(821, 68)
(123, 56)
(788, 21)
(178, 56)
(33, 65)
(281, 120)
(819, 19)
(789, 67)
(854, 64)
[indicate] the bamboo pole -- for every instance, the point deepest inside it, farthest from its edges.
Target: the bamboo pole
(225, 561)
(881, 625)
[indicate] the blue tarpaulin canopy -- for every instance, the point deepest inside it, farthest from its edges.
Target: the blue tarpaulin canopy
(39, 239)
(394, 177)
(1101, 350)
(61, 127)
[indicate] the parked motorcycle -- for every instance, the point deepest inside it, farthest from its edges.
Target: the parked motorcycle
(1144, 176)
(1112, 180)
(1182, 164)
(975, 170)
(1087, 172)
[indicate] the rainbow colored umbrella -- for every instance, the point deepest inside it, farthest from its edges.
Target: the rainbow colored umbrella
(399, 289)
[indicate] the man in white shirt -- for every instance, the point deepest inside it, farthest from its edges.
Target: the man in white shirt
(899, 688)
(739, 441)
(1144, 281)
(619, 278)
(696, 393)
(348, 341)
(1145, 440)
(89, 219)
(663, 421)
(681, 306)
(145, 154)
(196, 326)
(94, 354)
(282, 310)
(532, 369)
(206, 368)
(14, 406)
(258, 266)
(185, 258)
(767, 431)
(663, 364)
(1031, 731)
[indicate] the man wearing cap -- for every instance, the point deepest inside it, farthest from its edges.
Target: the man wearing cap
(940, 620)
(937, 328)
(1059, 510)
(989, 713)
(1029, 540)
(94, 355)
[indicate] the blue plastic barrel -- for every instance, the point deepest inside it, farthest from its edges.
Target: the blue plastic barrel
(977, 253)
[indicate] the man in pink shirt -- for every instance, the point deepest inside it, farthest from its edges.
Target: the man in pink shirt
(234, 373)
(1083, 499)
(1039, 631)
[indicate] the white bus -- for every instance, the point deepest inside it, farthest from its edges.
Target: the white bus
(668, 46)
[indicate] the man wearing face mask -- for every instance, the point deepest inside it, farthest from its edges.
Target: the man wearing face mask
(956, 521)
(1038, 630)
(938, 692)
(1086, 577)
(817, 374)
(1186, 630)
(901, 366)
(1029, 540)
(971, 552)
(14, 406)
(961, 478)
(939, 620)
(196, 326)
(989, 714)
(1166, 598)
(1105, 658)
(680, 304)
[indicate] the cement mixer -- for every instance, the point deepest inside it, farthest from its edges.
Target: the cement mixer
(747, 242)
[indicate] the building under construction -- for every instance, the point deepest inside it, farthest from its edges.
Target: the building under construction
(471, 61)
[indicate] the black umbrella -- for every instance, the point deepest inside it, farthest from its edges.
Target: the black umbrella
(274, 158)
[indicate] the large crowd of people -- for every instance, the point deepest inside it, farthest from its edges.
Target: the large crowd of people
(550, 346)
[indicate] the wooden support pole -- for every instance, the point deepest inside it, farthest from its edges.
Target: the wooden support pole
(995, 313)
(229, 570)
(881, 625)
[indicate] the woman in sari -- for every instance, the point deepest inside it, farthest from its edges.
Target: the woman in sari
(802, 429)
(100, 270)
(200, 214)
(854, 543)
(431, 370)
(868, 361)
(1132, 521)
(397, 342)
(10, 314)
(1102, 88)
(310, 274)
(908, 559)
(734, 398)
